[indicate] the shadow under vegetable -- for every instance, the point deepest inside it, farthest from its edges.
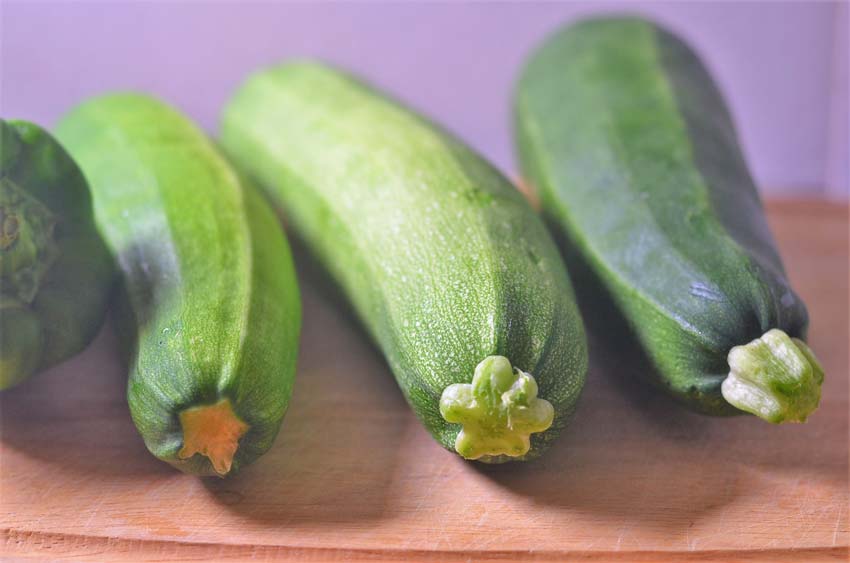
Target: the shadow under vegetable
(325, 465)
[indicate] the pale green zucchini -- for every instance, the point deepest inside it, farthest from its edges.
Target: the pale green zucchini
(445, 263)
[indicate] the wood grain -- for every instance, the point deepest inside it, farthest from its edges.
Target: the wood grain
(353, 476)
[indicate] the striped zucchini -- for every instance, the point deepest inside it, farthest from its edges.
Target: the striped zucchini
(634, 154)
(210, 303)
(445, 263)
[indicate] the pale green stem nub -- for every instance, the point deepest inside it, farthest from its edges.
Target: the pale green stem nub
(27, 248)
(499, 410)
(775, 377)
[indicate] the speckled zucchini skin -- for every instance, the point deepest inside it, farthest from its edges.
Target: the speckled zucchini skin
(630, 146)
(443, 260)
(55, 269)
(210, 302)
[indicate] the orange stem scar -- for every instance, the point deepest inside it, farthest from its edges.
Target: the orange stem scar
(213, 431)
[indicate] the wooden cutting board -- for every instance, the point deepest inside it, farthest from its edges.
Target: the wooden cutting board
(353, 476)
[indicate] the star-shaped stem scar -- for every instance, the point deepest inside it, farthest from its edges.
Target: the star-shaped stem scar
(213, 431)
(499, 410)
(775, 377)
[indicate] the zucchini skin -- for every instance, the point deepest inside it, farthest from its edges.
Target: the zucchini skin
(442, 259)
(55, 269)
(209, 303)
(633, 152)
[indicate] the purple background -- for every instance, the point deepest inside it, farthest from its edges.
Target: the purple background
(781, 65)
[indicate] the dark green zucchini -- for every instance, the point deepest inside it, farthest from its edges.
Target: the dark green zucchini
(445, 263)
(55, 269)
(628, 141)
(209, 297)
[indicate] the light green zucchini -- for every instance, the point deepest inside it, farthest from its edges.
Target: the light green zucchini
(210, 304)
(445, 263)
(55, 270)
(628, 141)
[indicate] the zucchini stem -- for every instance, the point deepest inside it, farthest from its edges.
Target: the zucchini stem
(213, 431)
(499, 410)
(775, 377)
(27, 246)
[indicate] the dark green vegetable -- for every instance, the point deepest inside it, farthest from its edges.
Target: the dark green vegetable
(446, 264)
(210, 302)
(635, 157)
(55, 270)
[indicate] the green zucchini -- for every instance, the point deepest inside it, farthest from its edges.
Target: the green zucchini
(209, 302)
(55, 270)
(628, 141)
(447, 266)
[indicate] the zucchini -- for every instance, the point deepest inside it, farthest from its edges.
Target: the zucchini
(209, 302)
(55, 269)
(447, 266)
(628, 141)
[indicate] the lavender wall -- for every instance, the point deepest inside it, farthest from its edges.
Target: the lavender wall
(775, 61)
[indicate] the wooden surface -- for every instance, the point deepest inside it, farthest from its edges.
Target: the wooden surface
(353, 476)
